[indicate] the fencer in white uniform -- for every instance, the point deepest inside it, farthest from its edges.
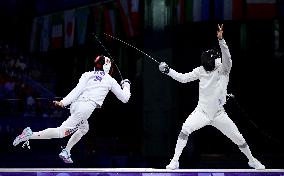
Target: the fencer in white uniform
(213, 76)
(90, 92)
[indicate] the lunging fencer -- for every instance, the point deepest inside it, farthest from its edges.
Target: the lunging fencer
(213, 76)
(89, 94)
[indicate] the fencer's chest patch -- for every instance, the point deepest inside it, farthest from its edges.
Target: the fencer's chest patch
(98, 76)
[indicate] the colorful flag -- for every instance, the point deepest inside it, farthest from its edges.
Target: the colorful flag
(228, 9)
(69, 26)
(81, 21)
(112, 20)
(135, 16)
(194, 10)
(201, 10)
(188, 5)
(125, 16)
(180, 11)
(34, 41)
(57, 31)
(45, 33)
(98, 18)
(109, 21)
(261, 9)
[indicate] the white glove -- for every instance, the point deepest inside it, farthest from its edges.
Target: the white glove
(125, 83)
(164, 68)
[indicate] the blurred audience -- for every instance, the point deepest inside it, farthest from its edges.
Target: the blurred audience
(17, 97)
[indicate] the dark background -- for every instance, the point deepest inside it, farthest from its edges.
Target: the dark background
(143, 132)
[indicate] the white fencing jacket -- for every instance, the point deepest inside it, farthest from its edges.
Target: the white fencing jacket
(212, 85)
(94, 86)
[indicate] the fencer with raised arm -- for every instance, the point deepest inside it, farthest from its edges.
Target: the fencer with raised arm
(213, 76)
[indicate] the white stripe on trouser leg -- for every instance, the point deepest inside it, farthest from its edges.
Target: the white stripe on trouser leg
(195, 121)
(228, 128)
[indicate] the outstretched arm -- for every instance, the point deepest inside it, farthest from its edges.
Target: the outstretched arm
(121, 92)
(181, 77)
(73, 95)
(226, 56)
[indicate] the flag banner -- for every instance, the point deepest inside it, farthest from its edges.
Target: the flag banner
(201, 10)
(125, 16)
(180, 11)
(261, 9)
(228, 9)
(98, 19)
(81, 24)
(69, 27)
(57, 31)
(135, 16)
(109, 21)
(34, 35)
(45, 33)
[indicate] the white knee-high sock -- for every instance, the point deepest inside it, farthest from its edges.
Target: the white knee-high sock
(73, 140)
(247, 152)
(181, 143)
(48, 133)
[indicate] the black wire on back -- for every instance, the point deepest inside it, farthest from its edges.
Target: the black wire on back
(107, 52)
